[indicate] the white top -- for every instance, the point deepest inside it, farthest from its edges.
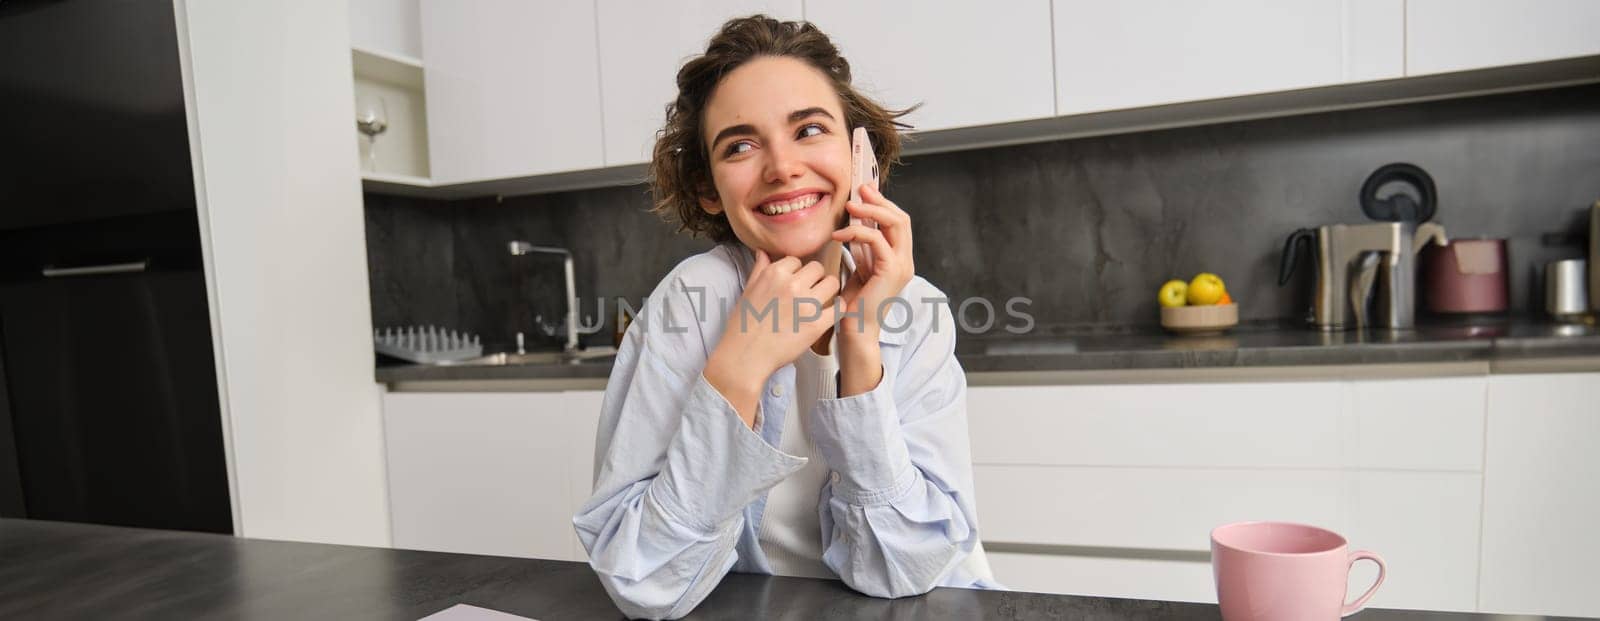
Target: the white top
(791, 531)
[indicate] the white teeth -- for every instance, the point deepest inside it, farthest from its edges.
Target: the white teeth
(801, 202)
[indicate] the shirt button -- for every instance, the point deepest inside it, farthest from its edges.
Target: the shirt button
(777, 391)
(835, 477)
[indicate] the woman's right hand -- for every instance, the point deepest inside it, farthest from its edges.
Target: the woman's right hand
(785, 308)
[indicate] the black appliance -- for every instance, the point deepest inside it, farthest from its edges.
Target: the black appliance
(108, 390)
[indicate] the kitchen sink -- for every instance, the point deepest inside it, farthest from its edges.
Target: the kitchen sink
(538, 357)
(511, 358)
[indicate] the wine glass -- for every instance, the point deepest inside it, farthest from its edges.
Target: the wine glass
(372, 118)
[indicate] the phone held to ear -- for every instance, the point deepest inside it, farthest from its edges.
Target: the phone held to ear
(863, 170)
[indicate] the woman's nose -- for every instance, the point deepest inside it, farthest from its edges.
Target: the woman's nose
(783, 163)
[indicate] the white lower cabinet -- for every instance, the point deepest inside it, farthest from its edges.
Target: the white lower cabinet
(1541, 514)
(1113, 490)
(490, 473)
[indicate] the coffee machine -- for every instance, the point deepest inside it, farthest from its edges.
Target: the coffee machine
(1366, 273)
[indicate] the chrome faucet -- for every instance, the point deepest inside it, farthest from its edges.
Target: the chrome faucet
(519, 248)
(1361, 262)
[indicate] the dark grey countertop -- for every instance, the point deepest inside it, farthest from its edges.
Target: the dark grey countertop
(1260, 344)
(57, 570)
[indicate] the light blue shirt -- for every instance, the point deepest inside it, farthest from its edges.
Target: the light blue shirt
(681, 481)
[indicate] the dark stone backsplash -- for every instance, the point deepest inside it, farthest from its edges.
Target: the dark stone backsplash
(1087, 228)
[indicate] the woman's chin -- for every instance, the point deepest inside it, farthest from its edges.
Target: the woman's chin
(800, 249)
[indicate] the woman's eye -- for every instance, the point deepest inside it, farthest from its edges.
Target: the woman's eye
(735, 148)
(812, 130)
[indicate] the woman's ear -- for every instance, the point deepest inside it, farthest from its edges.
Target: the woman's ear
(710, 203)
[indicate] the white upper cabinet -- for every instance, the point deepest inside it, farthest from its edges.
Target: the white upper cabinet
(1453, 35)
(387, 26)
(526, 90)
(642, 45)
(1135, 53)
(513, 88)
(968, 63)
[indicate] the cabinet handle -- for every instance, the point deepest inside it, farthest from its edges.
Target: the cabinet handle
(94, 270)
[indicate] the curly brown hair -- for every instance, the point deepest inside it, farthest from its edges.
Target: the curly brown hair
(680, 170)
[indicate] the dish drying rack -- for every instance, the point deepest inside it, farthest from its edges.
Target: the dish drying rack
(426, 344)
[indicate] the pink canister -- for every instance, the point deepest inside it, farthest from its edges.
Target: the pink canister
(1465, 276)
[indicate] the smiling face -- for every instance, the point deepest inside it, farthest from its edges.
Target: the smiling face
(780, 157)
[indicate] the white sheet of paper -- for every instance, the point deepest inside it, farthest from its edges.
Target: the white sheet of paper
(465, 612)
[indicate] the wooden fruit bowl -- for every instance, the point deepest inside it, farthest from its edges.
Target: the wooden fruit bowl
(1200, 319)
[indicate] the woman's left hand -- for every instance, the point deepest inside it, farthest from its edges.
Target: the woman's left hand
(891, 269)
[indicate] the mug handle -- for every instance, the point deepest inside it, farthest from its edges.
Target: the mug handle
(1352, 608)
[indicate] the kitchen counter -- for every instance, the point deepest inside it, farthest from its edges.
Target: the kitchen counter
(1257, 345)
(54, 570)
(1272, 344)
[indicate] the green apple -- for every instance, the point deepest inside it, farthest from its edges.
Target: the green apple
(1174, 293)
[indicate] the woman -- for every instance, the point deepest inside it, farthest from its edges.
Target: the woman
(742, 429)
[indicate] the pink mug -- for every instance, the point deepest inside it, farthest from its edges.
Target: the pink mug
(1278, 571)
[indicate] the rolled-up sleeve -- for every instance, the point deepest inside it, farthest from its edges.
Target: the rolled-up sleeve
(676, 467)
(898, 513)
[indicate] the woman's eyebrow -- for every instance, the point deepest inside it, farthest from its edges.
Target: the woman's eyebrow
(746, 129)
(809, 112)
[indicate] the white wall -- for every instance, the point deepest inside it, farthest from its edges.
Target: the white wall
(391, 26)
(270, 106)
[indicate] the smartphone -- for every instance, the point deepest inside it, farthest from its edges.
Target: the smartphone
(863, 170)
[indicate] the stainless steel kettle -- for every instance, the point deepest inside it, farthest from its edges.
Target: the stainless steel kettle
(1366, 273)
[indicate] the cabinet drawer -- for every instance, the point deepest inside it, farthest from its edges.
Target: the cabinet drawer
(1151, 508)
(1182, 581)
(1293, 424)
(1416, 424)
(1425, 524)
(1413, 424)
